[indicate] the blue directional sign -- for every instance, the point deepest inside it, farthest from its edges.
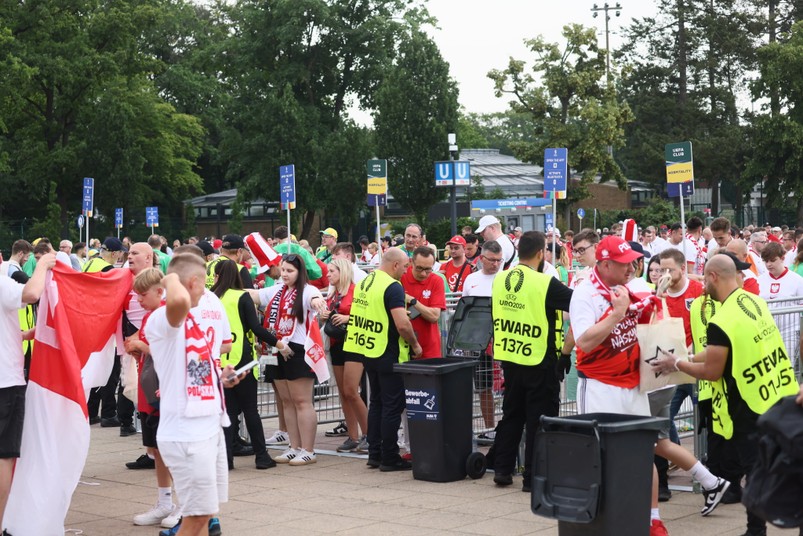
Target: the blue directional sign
(287, 185)
(444, 174)
(457, 173)
(548, 222)
(556, 169)
(80, 221)
(88, 198)
(118, 218)
(152, 216)
(581, 213)
(678, 189)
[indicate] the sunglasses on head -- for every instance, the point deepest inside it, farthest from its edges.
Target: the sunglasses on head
(290, 258)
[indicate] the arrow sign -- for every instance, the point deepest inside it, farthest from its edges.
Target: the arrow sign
(581, 213)
(287, 185)
(556, 169)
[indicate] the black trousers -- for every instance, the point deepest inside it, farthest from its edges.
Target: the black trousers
(529, 393)
(732, 458)
(242, 398)
(103, 398)
(384, 410)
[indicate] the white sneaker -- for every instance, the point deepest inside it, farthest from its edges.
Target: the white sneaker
(304, 458)
(287, 455)
(173, 519)
(278, 438)
(154, 516)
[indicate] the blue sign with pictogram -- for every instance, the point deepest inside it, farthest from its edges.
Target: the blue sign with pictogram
(287, 184)
(680, 189)
(422, 404)
(118, 218)
(556, 169)
(581, 213)
(88, 197)
(152, 216)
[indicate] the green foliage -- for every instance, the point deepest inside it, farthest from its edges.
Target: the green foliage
(416, 110)
(659, 212)
(569, 106)
(440, 231)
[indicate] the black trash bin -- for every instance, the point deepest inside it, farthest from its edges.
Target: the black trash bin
(440, 399)
(593, 473)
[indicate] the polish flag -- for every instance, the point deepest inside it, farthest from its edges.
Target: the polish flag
(314, 353)
(265, 255)
(78, 313)
(630, 230)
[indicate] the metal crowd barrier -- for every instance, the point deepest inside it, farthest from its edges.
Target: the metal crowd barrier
(787, 314)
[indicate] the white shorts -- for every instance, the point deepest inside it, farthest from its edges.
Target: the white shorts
(593, 396)
(200, 473)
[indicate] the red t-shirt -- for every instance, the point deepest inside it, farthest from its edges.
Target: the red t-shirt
(344, 306)
(454, 277)
(430, 293)
(680, 306)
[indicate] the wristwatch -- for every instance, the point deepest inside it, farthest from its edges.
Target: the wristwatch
(413, 301)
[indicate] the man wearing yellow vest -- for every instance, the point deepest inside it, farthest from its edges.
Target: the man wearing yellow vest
(110, 254)
(524, 304)
(380, 330)
(748, 367)
(232, 248)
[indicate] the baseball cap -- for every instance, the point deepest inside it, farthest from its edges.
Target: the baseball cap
(329, 231)
(637, 247)
(614, 248)
(232, 241)
(457, 240)
(739, 264)
(113, 244)
(485, 221)
(206, 247)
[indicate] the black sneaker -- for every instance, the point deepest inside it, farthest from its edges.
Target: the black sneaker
(143, 462)
(526, 486)
(242, 450)
(664, 493)
(126, 431)
(265, 462)
(502, 479)
(340, 430)
(714, 495)
(94, 420)
(373, 464)
(111, 422)
(400, 465)
(733, 495)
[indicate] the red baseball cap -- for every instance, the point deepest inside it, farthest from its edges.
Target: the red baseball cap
(614, 248)
(457, 240)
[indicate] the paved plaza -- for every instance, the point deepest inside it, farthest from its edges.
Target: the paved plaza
(340, 495)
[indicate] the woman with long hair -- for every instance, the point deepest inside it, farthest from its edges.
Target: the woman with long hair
(289, 304)
(244, 324)
(797, 264)
(347, 366)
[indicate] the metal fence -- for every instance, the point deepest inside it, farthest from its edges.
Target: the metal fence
(489, 381)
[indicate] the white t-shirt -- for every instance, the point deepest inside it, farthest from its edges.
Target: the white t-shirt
(656, 246)
(508, 250)
(588, 305)
(359, 273)
(789, 257)
(788, 285)
(549, 269)
(266, 295)
(170, 360)
(211, 317)
(758, 262)
(478, 284)
(12, 360)
(690, 251)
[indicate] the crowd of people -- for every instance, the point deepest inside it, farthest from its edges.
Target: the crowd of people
(200, 311)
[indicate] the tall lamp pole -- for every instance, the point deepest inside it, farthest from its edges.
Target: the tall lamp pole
(606, 8)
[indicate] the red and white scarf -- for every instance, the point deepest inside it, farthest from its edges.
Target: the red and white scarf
(280, 317)
(699, 263)
(202, 375)
(637, 305)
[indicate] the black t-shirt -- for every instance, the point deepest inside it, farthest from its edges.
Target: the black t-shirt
(744, 419)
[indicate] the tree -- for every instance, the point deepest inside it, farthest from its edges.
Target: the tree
(416, 110)
(569, 105)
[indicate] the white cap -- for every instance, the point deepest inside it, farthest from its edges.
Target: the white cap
(485, 221)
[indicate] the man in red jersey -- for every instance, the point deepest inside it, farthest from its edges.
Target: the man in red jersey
(457, 269)
(425, 298)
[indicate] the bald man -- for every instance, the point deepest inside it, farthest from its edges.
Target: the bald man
(748, 367)
(739, 248)
(378, 329)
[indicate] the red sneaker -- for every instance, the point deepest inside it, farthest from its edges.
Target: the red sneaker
(407, 456)
(657, 528)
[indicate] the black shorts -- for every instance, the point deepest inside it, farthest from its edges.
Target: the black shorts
(295, 367)
(340, 356)
(150, 425)
(484, 373)
(12, 415)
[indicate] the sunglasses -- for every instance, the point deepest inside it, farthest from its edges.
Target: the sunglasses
(293, 257)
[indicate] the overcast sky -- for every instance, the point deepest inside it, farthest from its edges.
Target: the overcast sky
(476, 36)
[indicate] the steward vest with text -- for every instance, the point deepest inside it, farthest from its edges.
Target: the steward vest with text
(369, 322)
(701, 311)
(760, 364)
(520, 323)
(239, 337)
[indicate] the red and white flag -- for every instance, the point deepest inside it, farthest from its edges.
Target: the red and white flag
(314, 353)
(78, 313)
(265, 255)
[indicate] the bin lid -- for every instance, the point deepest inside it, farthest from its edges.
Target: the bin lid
(608, 423)
(432, 367)
(472, 325)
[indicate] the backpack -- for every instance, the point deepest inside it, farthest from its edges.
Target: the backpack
(774, 488)
(149, 381)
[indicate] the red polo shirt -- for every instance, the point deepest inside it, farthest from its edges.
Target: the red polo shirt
(428, 292)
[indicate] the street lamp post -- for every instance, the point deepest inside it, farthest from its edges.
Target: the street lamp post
(606, 8)
(452, 138)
